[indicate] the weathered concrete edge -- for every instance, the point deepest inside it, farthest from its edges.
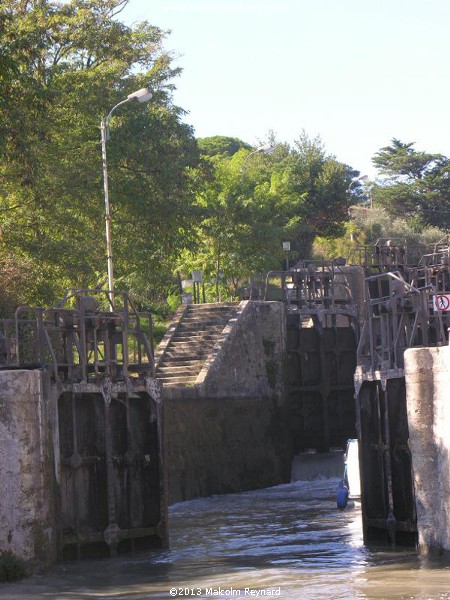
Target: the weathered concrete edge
(229, 330)
(27, 515)
(426, 376)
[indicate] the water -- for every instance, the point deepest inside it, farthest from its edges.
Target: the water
(286, 542)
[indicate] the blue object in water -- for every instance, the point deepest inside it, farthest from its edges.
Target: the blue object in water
(342, 495)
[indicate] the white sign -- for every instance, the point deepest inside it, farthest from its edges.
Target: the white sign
(441, 302)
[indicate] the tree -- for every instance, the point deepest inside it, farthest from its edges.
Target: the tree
(236, 234)
(416, 184)
(67, 65)
(251, 203)
(221, 145)
(367, 225)
(313, 186)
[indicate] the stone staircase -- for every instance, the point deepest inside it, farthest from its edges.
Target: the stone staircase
(195, 335)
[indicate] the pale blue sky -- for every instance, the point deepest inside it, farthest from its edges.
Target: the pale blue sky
(355, 72)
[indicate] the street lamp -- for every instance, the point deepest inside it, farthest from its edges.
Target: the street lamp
(142, 95)
(355, 179)
(265, 149)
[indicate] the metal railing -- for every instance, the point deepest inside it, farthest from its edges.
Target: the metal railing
(82, 338)
(399, 315)
(311, 286)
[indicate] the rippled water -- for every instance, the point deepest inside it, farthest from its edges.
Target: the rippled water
(286, 542)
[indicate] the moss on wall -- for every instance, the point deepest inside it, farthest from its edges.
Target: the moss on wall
(11, 567)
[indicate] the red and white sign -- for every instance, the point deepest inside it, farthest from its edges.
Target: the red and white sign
(441, 302)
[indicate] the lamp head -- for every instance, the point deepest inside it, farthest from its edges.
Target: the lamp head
(142, 95)
(266, 149)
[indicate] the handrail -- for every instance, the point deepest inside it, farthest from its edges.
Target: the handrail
(65, 337)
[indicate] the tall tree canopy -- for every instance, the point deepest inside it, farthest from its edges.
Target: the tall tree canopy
(314, 188)
(415, 186)
(220, 144)
(63, 66)
(251, 202)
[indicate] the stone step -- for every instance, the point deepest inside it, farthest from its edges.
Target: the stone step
(215, 328)
(200, 328)
(197, 349)
(197, 346)
(193, 339)
(197, 334)
(186, 356)
(181, 380)
(209, 319)
(182, 361)
(213, 307)
(200, 322)
(198, 364)
(186, 351)
(169, 370)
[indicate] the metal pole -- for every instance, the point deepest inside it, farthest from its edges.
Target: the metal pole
(109, 257)
(142, 95)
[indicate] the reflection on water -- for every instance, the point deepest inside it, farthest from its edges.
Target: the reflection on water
(284, 542)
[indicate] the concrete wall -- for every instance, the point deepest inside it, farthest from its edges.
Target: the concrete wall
(27, 508)
(228, 432)
(427, 372)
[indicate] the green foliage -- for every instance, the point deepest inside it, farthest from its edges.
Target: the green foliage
(175, 204)
(251, 202)
(416, 185)
(314, 190)
(378, 223)
(159, 329)
(328, 248)
(64, 66)
(11, 567)
(221, 145)
(366, 226)
(22, 280)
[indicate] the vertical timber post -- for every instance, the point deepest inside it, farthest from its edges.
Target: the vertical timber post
(112, 532)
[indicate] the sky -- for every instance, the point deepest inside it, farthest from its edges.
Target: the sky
(356, 73)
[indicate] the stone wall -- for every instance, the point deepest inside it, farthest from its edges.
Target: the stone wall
(427, 372)
(250, 356)
(228, 432)
(27, 527)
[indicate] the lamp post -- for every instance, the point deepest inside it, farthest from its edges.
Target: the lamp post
(352, 182)
(142, 95)
(287, 249)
